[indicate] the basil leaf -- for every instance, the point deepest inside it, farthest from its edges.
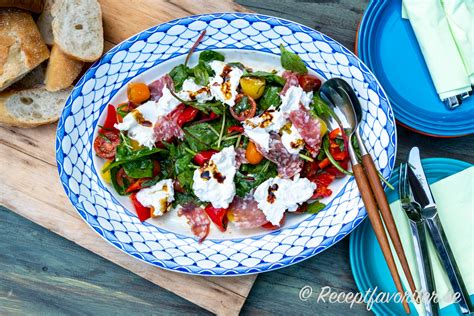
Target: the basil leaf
(186, 179)
(320, 108)
(291, 61)
(271, 96)
(141, 168)
(179, 74)
(315, 207)
(125, 154)
(268, 76)
(182, 198)
(210, 55)
(201, 75)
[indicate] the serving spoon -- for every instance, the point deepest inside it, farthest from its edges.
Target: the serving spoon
(345, 105)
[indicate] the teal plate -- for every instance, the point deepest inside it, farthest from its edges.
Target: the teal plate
(367, 262)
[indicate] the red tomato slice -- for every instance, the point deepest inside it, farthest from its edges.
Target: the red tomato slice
(246, 114)
(106, 143)
(309, 82)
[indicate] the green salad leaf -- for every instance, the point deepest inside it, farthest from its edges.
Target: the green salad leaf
(113, 177)
(291, 61)
(140, 168)
(315, 207)
(210, 55)
(201, 74)
(200, 136)
(271, 96)
(268, 76)
(249, 176)
(179, 74)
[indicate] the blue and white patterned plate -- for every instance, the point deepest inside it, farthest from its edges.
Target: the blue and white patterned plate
(150, 54)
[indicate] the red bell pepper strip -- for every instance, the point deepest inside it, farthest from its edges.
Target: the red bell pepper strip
(324, 163)
(218, 216)
(143, 212)
(235, 128)
(335, 133)
(204, 156)
(270, 226)
(137, 185)
(321, 192)
(187, 115)
(110, 119)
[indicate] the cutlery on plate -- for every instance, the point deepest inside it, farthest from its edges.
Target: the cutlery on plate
(418, 231)
(337, 94)
(429, 213)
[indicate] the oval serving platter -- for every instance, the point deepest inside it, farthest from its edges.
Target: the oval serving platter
(166, 244)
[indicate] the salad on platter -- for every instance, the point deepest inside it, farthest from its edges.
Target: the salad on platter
(220, 143)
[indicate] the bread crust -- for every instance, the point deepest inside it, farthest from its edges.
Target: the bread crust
(21, 46)
(62, 70)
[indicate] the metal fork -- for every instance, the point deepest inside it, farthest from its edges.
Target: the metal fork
(418, 231)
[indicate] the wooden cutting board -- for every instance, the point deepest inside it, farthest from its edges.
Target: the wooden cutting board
(30, 186)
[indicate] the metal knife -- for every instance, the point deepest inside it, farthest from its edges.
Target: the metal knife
(424, 197)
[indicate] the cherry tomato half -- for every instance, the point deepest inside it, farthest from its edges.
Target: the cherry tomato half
(309, 82)
(105, 143)
(242, 111)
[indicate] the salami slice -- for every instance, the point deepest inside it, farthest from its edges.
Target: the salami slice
(240, 157)
(245, 214)
(156, 87)
(308, 127)
(197, 219)
(287, 164)
(291, 80)
(166, 129)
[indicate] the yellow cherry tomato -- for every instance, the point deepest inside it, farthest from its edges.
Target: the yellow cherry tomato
(135, 145)
(106, 174)
(252, 154)
(138, 92)
(253, 86)
(323, 127)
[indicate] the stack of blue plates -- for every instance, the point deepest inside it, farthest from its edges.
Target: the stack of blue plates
(387, 44)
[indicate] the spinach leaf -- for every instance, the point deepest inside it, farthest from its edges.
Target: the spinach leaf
(179, 74)
(186, 179)
(210, 55)
(315, 207)
(320, 108)
(291, 61)
(113, 177)
(268, 76)
(271, 96)
(200, 137)
(201, 74)
(140, 168)
(251, 176)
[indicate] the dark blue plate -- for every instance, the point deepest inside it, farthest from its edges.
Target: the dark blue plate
(368, 265)
(387, 44)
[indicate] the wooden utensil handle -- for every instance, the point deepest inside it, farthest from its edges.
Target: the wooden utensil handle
(376, 221)
(387, 216)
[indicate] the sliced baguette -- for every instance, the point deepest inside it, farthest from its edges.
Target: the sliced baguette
(77, 28)
(33, 79)
(61, 71)
(31, 107)
(45, 21)
(21, 46)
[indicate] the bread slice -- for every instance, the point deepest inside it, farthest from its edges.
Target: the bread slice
(77, 28)
(33, 79)
(61, 71)
(45, 21)
(21, 46)
(31, 107)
